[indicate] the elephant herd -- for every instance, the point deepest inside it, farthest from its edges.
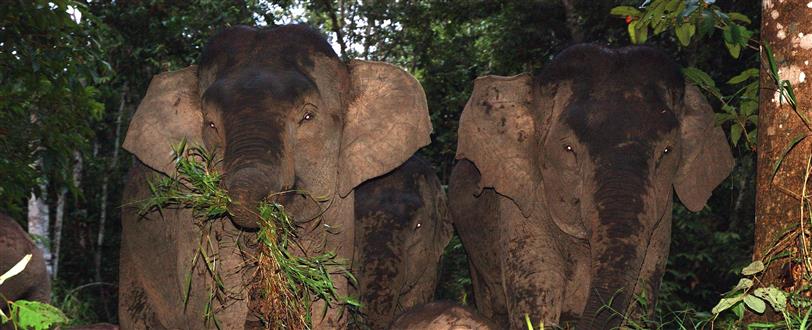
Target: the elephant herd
(562, 193)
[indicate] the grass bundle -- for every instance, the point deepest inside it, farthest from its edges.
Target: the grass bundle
(285, 285)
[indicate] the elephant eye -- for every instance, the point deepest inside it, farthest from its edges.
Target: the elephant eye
(568, 148)
(308, 116)
(418, 225)
(667, 150)
(211, 124)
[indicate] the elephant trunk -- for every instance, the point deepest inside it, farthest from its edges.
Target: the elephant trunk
(255, 168)
(617, 250)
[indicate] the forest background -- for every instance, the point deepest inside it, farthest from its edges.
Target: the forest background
(73, 73)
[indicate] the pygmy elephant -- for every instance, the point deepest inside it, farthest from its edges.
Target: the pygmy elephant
(285, 114)
(563, 192)
(442, 315)
(33, 282)
(401, 231)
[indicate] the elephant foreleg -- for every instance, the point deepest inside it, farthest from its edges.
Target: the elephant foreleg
(532, 268)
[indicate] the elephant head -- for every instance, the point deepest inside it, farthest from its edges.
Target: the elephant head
(402, 228)
(285, 114)
(595, 144)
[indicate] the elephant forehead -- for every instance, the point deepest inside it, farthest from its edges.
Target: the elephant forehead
(619, 122)
(253, 87)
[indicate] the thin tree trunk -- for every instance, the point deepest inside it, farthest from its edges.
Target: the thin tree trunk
(60, 212)
(576, 35)
(779, 194)
(97, 258)
(39, 220)
(336, 28)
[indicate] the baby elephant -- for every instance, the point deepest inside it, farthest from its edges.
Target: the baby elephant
(401, 231)
(33, 283)
(442, 315)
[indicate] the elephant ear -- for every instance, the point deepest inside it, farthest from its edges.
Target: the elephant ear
(168, 114)
(497, 134)
(706, 158)
(386, 121)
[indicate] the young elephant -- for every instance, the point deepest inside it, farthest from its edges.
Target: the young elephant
(578, 166)
(442, 316)
(286, 115)
(401, 232)
(33, 282)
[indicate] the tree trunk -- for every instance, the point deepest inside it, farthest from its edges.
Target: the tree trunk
(576, 35)
(39, 221)
(60, 212)
(778, 195)
(113, 166)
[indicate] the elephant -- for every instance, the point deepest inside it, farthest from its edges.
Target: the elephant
(442, 315)
(33, 283)
(286, 114)
(563, 195)
(401, 232)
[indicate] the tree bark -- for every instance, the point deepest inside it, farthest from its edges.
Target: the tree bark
(39, 220)
(60, 212)
(784, 27)
(97, 257)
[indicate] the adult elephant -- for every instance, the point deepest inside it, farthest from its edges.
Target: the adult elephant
(401, 232)
(33, 282)
(285, 114)
(577, 166)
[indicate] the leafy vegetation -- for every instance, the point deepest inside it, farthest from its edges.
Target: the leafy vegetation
(286, 282)
(24, 314)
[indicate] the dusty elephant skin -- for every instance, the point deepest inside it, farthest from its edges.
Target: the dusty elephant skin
(401, 232)
(563, 192)
(286, 115)
(33, 283)
(442, 316)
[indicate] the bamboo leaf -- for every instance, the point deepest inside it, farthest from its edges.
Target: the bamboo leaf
(798, 138)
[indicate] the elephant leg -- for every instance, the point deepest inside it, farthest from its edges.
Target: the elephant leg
(533, 267)
(134, 308)
(651, 274)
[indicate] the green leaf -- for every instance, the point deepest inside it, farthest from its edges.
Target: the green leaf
(744, 75)
(36, 315)
(734, 49)
(642, 33)
(735, 134)
(754, 267)
(726, 303)
(776, 297)
(625, 11)
(684, 33)
(632, 31)
(699, 77)
(739, 17)
(744, 284)
(755, 303)
(748, 108)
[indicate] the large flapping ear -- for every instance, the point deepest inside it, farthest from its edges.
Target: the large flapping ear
(168, 114)
(706, 158)
(386, 121)
(497, 134)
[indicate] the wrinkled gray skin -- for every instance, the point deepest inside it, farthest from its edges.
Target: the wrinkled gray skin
(33, 283)
(563, 192)
(442, 315)
(285, 114)
(401, 231)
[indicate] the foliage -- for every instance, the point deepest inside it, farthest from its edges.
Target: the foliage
(26, 314)
(287, 283)
(48, 95)
(694, 21)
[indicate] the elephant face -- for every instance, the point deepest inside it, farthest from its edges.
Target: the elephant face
(285, 114)
(595, 144)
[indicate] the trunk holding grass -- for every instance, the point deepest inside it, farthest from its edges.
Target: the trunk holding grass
(785, 28)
